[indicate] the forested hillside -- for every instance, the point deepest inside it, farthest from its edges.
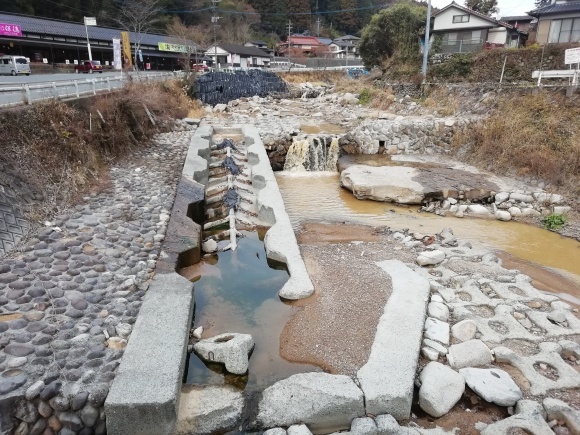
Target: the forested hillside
(264, 18)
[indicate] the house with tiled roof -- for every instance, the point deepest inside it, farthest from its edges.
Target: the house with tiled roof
(459, 29)
(558, 22)
(308, 45)
(237, 56)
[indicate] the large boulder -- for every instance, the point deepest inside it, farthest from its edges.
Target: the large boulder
(232, 350)
(384, 183)
(493, 385)
(441, 389)
(324, 402)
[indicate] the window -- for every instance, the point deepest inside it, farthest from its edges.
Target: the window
(562, 31)
(461, 18)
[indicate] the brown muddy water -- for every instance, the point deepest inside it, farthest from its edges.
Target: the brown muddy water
(317, 196)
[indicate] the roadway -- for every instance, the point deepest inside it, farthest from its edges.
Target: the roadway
(28, 89)
(59, 77)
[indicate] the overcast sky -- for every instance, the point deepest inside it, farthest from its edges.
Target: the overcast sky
(506, 7)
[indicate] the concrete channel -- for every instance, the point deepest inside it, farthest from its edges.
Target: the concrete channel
(144, 398)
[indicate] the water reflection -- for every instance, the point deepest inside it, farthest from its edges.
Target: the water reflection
(237, 291)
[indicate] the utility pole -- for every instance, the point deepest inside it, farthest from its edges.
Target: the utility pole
(318, 21)
(214, 19)
(426, 45)
(289, 33)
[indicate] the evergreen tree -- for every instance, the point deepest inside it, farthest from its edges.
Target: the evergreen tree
(347, 20)
(392, 32)
(300, 14)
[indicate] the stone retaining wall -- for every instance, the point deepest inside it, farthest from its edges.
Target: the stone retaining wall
(426, 135)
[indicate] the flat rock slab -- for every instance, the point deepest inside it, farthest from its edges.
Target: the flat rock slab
(387, 378)
(204, 410)
(493, 385)
(411, 185)
(324, 402)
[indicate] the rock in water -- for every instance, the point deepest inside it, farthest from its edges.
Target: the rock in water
(493, 385)
(232, 350)
(197, 332)
(386, 183)
(441, 389)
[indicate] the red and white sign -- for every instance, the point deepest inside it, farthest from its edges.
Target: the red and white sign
(10, 30)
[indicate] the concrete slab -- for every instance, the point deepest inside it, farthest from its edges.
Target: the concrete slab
(280, 241)
(388, 377)
(210, 409)
(196, 166)
(144, 396)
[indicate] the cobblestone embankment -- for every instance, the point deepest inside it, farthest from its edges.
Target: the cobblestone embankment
(70, 295)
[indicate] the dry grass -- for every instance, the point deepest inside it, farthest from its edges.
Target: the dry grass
(442, 101)
(296, 76)
(61, 150)
(536, 135)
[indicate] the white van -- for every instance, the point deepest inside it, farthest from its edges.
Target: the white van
(14, 65)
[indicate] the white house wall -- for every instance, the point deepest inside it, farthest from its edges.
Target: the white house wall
(444, 21)
(497, 36)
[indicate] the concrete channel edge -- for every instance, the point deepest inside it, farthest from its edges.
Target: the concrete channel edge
(144, 397)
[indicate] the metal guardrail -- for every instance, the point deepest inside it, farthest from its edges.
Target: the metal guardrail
(32, 93)
(573, 74)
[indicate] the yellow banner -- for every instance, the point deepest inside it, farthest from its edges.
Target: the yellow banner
(127, 57)
(165, 46)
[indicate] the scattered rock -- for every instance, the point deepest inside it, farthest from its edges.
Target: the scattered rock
(493, 385)
(471, 353)
(232, 350)
(437, 330)
(464, 330)
(441, 388)
(430, 258)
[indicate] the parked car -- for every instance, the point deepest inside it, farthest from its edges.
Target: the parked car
(89, 66)
(14, 65)
(199, 68)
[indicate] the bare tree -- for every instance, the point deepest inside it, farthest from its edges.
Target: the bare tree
(186, 35)
(139, 17)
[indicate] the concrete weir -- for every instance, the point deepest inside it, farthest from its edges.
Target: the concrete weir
(145, 395)
(387, 378)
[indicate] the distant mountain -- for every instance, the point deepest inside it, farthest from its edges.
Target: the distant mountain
(264, 17)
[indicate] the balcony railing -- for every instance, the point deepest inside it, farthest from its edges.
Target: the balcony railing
(462, 46)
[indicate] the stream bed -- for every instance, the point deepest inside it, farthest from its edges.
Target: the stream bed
(317, 196)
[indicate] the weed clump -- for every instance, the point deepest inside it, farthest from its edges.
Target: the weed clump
(60, 150)
(554, 222)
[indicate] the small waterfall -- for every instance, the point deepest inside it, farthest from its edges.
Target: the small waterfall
(312, 154)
